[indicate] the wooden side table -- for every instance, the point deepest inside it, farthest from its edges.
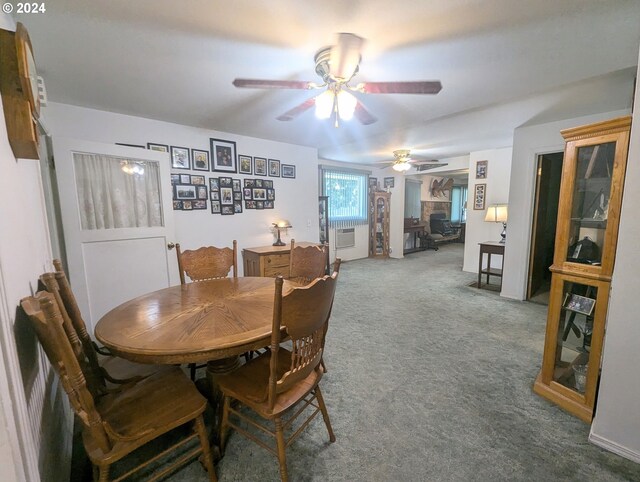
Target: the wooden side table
(490, 247)
(269, 261)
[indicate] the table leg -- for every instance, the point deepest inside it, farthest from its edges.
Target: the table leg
(209, 388)
(480, 270)
(488, 266)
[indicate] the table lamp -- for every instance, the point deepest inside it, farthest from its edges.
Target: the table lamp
(498, 213)
(282, 224)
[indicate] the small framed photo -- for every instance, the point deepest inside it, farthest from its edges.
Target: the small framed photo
(259, 204)
(237, 207)
(214, 184)
(200, 160)
(226, 196)
(237, 196)
(389, 182)
(223, 155)
(268, 204)
(177, 205)
(373, 182)
(274, 168)
(226, 182)
(259, 166)
(247, 194)
(480, 192)
(259, 183)
(579, 304)
(249, 183)
(268, 183)
(245, 165)
(289, 171)
(180, 158)
(187, 205)
(481, 169)
(157, 147)
(271, 194)
(215, 195)
(185, 178)
(199, 180)
(215, 207)
(249, 204)
(183, 192)
(175, 179)
(201, 192)
(237, 186)
(259, 194)
(227, 210)
(200, 204)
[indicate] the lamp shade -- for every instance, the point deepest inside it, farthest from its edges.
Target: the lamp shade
(283, 223)
(401, 166)
(496, 213)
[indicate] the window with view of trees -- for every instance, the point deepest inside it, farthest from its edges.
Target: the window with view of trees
(347, 192)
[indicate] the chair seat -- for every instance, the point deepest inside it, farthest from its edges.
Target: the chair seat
(249, 384)
(139, 411)
(122, 369)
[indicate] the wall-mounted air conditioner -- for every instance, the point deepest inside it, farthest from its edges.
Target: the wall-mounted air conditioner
(345, 237)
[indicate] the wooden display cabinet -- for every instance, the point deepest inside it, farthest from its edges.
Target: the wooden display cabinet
(587, 231)
(379, 209)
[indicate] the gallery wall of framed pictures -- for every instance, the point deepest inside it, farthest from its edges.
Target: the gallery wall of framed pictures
(227, 195)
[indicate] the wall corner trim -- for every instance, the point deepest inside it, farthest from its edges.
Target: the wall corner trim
(617, 449)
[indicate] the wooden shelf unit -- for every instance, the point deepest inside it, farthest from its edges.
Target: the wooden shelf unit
(588, 215)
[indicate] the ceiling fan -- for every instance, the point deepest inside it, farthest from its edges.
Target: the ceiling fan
(337, 65)
(403, 161)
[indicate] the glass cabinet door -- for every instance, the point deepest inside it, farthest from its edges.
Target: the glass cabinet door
(379, 223)
(590, 205)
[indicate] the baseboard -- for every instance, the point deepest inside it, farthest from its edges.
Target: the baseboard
(614, 447)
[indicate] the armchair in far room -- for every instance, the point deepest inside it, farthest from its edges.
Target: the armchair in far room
(441, 228)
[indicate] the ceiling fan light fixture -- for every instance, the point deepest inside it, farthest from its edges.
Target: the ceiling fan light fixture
(401, 166)
(346, 105)
(324, 104)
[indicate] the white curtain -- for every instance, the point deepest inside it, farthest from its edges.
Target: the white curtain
(115, 192)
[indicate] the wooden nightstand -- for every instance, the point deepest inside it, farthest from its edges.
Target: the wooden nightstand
(269, 261)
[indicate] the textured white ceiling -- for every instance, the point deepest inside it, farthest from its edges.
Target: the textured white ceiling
(502, 64)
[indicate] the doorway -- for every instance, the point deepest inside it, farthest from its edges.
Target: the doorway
(543, 233)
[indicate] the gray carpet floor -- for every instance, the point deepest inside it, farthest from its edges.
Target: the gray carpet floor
(429, 379)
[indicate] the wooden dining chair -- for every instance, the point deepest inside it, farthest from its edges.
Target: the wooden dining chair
(277, 381)
(125, 419)
(307, 263)
(336, 270)
(207, 262)
(102, 363)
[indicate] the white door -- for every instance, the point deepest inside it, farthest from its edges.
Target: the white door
(117, 216)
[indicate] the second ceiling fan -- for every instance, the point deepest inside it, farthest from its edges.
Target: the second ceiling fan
(337, 65)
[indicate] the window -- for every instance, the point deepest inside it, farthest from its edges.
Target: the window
(459, 204)
(412, 205)
(347, 191)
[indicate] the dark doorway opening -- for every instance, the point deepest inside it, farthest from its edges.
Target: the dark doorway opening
(543, 233)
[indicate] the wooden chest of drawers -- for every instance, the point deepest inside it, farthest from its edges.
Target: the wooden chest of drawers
(269, 261)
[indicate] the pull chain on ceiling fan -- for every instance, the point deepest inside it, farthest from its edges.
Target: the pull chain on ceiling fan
(336, 66)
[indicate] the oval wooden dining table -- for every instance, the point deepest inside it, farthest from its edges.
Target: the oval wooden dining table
(213, 321)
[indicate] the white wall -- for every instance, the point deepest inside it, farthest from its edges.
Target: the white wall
(34, 413)
(528, 143)
(296, 199)
(497, 191)
(617, 422)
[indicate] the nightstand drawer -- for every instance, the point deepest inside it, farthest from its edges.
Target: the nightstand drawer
(276, 260)
(273, 271)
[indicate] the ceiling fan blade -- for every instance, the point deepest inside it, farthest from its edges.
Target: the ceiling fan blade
(273, 84)
(418, 87)
(426, 167)
(297, 110)
(363, 115)
(345, 56)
